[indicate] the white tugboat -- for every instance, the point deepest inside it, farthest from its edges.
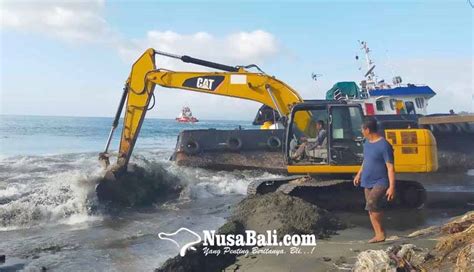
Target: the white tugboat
(380, 98)
(186, 116)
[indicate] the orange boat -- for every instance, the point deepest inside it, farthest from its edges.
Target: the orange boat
(186, 116)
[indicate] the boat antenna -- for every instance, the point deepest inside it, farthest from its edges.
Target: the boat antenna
(370, 74)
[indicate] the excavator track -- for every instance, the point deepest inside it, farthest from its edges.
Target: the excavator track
(337, 194)
(264, 186)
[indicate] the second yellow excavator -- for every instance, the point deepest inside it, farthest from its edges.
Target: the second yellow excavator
(338, 158)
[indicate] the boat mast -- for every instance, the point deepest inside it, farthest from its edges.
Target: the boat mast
(370, 74)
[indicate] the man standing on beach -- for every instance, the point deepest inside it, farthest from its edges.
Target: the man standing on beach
(376, 176)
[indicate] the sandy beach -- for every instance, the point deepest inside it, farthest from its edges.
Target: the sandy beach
(339, 252)
(341, 245)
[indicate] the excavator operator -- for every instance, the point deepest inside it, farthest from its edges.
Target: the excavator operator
(310, 144)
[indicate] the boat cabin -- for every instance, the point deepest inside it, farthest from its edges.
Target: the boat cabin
(408, 99)
(379, 98)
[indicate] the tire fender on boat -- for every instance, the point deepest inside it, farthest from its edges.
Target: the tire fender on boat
(273, 142)
(191, 147)
(234, 143)
(442, 128)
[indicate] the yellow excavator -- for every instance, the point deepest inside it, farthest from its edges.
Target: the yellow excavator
(333, 164)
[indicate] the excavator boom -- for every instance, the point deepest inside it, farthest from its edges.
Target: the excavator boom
(415, 149)
(234, 82)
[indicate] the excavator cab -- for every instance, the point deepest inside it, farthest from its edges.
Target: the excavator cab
(322, 164)
(332, 137)
(341, 150)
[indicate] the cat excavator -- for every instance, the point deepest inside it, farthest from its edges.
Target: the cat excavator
(323, 173)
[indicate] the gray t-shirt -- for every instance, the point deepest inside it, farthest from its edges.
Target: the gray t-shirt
(374, 171)
(318, 141)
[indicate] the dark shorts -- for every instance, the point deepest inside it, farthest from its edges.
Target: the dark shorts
(375, 199)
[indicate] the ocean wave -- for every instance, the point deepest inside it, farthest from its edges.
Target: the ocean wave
(40, 190)
(60, 189)
(11, 191)
(53, 203)
(201, 183)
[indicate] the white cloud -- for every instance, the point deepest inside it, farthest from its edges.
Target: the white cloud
(233, 49)
(240, 48)
(75, 21)
(450, 78)
(83, 21)
(71, 20)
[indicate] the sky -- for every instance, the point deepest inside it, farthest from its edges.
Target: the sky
(71, 58)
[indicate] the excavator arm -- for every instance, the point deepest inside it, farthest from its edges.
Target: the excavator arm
(233, 82)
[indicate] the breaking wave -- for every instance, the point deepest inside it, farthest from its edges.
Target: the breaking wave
(37, 190)
(200, 183)
(60, 189)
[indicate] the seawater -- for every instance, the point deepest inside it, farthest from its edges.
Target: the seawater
(49, 213)
(50, 216)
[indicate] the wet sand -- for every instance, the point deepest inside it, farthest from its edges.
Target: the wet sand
(448, 196)
(339, 252)
(334, 254)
